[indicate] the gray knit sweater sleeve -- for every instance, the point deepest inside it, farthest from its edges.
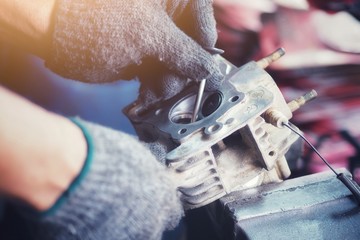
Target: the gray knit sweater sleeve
(126, 194)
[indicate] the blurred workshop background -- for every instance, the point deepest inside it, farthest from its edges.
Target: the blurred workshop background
(322, 41)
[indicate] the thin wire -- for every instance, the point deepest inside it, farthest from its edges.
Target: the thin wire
(349, 183)
(313, 148)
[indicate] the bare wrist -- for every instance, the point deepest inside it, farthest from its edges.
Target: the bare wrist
(71, 154)
(41, 153)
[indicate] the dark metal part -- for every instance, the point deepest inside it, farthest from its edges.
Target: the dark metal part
(211, 103)
(351, 185)
(311, 207)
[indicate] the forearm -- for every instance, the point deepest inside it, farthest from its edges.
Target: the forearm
(27, 23)
(41, 153)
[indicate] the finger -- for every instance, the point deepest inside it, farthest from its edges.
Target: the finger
(163, 89)
(204, 27)
(180, 53)
(157, 84)
(197, 20)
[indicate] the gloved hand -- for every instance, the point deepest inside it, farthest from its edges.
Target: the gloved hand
(107, 40)
(124, 193)
(198, 22)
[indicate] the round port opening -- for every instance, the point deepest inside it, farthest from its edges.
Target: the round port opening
(182, 118)
(211, 104)
(182, 111)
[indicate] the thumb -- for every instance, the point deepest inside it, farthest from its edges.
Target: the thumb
(165, 86)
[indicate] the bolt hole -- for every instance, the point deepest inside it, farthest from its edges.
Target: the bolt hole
(229, 121)
(234, 98)
(214, 128)
(182, 131)
(271, 153)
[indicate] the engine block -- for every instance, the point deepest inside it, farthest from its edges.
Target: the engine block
(236, 142)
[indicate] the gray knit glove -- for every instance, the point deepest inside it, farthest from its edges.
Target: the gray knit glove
(126, 194)
(107, 40)
(198, 22)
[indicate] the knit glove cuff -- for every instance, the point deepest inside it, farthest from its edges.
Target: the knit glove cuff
(126, 194)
